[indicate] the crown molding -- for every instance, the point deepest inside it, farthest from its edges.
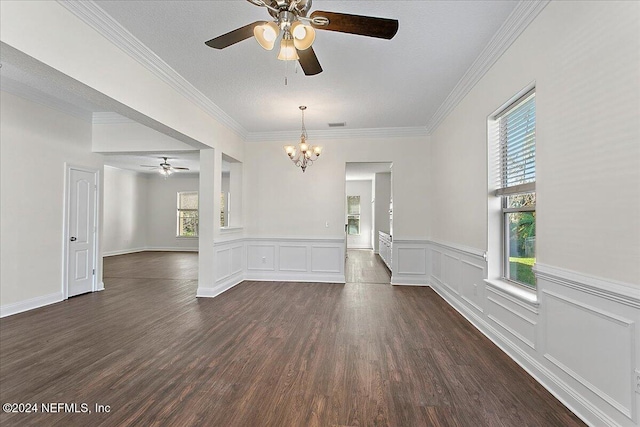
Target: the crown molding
(318, 135)
(519, 19)
(91, 14)
(27, 92)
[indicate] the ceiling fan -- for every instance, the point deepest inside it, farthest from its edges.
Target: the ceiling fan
(297, 30)
(165, 168)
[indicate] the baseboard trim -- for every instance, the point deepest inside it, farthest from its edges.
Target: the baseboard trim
(123, 252)
(205, 292)
(408, 282)
(100, 287)
(305, 278)
(30, 304)
(150, 249)
(170, 249)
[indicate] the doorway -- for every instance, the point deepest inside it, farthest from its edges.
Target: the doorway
(81, 231)
(368, 201)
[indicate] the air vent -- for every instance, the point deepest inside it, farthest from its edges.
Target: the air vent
(337, 125)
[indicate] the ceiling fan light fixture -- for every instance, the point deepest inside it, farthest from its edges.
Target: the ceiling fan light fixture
(287, 49)
(303, 35)
(165, 171)
(266, 34)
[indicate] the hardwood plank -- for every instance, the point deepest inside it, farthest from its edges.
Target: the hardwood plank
(262, 353)
(363, 266)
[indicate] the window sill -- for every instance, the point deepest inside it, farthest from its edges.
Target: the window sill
(186, 237)
(230, 229)
(527, 296)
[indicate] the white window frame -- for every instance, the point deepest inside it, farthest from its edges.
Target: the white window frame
(500, 189)
(354, 215)
(180, 210)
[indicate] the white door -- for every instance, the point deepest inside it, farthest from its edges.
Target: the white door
(81, 232)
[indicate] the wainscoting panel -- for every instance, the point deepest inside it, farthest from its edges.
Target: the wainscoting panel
(580, 339)
(223, 263)
(608, 343)
(472, 284)
(293, 258)
(261, 257)
(229, 267)
(511, 320)
(296, 260)
(436, 264)
(451, 276)
(236, 259)
(327, 259)
(410, 261)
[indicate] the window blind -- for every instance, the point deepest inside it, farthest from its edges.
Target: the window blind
(188, 200)
(517, 147)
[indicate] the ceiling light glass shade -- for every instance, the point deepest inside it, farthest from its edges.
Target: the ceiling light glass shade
(290, 150)
(317, 150)
(303, 35)
(287, 50)
(266, 34)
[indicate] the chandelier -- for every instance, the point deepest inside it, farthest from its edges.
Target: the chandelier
(304, 155)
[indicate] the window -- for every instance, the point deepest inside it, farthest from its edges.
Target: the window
(223, 210)
(353, 215)
(187, 214)
(516, 144)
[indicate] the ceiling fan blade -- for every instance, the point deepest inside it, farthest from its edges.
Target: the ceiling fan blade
(180, 169)
(233, 37)
(309, 62)
(369, 26)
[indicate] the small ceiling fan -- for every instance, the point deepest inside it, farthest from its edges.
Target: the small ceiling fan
(297, 30)
(165, 168)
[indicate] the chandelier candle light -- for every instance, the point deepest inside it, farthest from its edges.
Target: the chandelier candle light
(305, 154)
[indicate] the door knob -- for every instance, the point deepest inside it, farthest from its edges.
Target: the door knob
(73, 239)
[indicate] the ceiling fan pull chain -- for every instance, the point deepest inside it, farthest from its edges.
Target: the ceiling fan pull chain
(286, 69)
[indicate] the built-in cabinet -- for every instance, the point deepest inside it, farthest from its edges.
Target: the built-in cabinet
(385, 247)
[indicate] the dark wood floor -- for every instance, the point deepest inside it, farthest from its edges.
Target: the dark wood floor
(261, 354)
(363, 266)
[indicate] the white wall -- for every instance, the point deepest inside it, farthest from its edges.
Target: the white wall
(132, 136)
(577, 334)
(140, 211)
(284, 202)
(584, 58)
(35, 143)
(125, 211)
(161, 211)
(362, 189)
(382, 190)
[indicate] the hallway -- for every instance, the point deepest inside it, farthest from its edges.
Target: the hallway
(363, 266)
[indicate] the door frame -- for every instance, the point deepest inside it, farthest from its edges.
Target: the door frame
(65, 226)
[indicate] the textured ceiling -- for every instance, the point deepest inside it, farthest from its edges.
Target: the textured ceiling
(367, 83)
